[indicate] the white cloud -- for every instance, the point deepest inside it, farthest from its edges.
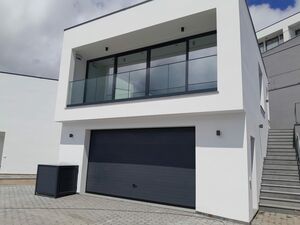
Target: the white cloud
(263, 15)
(32, 30)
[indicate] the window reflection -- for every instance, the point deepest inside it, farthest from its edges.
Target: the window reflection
(168, 69)
(202, 63)
(131, 77)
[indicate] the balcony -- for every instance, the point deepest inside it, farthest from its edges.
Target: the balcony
(183, 67)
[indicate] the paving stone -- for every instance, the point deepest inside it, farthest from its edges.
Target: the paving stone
(19, 206)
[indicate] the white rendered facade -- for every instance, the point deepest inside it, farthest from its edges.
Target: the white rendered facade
(279, 32)
(28, 133)
(226, 183)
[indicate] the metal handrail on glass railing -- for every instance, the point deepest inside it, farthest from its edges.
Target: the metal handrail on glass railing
(155, 81)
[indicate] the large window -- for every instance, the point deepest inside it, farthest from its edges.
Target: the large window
(297, 32)
(168, 69)
(272, 43)
(131, 77)
(202, 63)
(181, 66)
(98, 85)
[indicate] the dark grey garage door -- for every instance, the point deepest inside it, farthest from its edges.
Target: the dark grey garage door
(156, 165)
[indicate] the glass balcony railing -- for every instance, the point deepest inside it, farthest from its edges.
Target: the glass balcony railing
(197, 75)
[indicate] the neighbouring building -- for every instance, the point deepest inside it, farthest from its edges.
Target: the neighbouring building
(28, 133)
(165, 101)
(279, 32)
(281, 57)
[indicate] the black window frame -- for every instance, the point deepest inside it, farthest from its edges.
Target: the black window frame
(148, 63)
(277, 38)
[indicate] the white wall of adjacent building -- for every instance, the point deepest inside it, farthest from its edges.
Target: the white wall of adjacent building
(27, 128)
(279, 32)
(227, 184)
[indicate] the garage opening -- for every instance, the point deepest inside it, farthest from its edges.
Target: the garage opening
(155, 165)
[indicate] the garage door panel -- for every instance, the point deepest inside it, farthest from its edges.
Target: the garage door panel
(151, 183)
(155, 164)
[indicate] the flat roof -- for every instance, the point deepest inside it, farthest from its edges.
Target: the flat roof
(278, 22)
(108, 14)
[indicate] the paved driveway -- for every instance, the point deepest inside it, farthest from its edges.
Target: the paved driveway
(18, 206)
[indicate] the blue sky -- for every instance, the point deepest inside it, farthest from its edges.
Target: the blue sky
(275, 4)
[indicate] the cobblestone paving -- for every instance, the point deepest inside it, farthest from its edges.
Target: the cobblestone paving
(19, 206)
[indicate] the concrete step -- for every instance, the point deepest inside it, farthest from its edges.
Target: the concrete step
(286, 150)
(281, 162)
(292, 158)
(282, 176)
(270, 146)
(281, 153)
(281, 131)
(280, 194)
(282, 181)
(278, 138)
(281, 202)
(281, 172)
(279, 209)
(281, 167)
(276, 134)
(281, 138)
(281, 188)
(281, 143)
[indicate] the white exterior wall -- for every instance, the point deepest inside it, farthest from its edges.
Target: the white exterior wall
(140, 19)
(251, 61)
(222, 163)
(27, 108)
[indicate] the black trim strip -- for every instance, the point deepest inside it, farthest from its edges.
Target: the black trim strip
(129, 100)
(26, 75)
(109, 14)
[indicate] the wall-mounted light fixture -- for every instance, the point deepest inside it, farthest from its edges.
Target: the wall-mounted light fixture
(106, 49)
(182, 29)
(261, 126)
(71, 135)
(78, 57)
(218, 133)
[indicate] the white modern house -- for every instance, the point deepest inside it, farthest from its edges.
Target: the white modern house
(28, 133)
(279, 32)
(165, 102)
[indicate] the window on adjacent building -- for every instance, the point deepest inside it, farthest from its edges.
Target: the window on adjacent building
(297, 32)
(261, 47)
(272, 43)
